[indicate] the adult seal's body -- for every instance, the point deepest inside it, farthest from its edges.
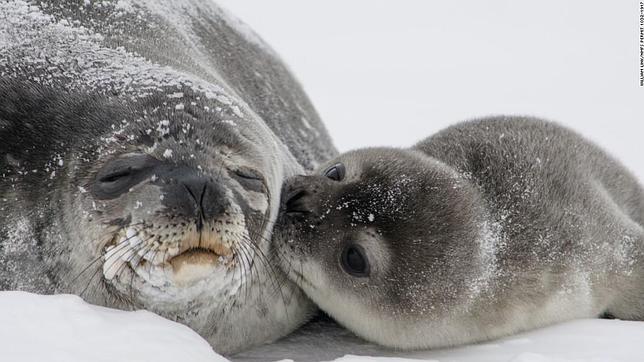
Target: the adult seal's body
(485, 229)
(143, 145)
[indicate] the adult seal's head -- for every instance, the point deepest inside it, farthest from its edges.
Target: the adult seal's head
(143, 146)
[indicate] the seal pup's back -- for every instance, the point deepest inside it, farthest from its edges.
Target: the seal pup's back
(485, 229)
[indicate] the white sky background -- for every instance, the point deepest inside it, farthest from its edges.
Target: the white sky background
(393, 72)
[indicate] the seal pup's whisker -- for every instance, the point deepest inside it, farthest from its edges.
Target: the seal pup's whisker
(438, 244)
(286, 264)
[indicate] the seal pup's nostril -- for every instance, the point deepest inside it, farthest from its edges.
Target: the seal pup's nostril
(296, 202)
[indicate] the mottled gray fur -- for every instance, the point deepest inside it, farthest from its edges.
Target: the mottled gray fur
(485, 229)
(212, 122)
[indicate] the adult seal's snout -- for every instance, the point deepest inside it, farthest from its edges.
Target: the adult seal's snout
(143, 147)
(194, 196)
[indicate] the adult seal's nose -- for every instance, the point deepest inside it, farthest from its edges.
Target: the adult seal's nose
(195, 196)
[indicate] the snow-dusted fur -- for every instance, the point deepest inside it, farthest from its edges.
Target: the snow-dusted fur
(187, 93)
(483, 230)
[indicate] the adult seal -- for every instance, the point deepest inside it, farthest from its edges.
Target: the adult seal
(483, 230)
(143, 145)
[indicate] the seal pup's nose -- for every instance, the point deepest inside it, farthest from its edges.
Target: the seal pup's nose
(297, 197)
(297, 203)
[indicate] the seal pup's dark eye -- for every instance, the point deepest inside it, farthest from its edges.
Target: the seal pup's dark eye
(335, 172)
(354, 261)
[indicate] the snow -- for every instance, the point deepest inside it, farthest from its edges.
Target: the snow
(576, 341)
(401, 70)
(63, 328)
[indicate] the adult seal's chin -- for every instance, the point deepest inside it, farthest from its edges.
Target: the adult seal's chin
(137, 181)
(189, 234)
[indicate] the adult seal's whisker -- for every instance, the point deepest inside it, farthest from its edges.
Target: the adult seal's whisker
(146, 185)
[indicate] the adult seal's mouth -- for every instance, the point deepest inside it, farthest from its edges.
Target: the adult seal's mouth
(143, 147)
(194, 265)
(184, 261)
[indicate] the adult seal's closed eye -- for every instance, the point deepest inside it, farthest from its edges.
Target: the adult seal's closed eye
(485, 229)
(143, 145)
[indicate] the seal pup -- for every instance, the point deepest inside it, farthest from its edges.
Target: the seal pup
(485, 229)
(143, 146)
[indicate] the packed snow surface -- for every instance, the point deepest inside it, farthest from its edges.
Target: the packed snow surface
(63, 328)
(38, 328)
(588, 340)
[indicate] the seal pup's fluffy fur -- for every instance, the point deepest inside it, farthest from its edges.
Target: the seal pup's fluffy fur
(485, 229)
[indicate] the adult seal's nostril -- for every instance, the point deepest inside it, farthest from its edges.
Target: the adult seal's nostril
(110, 142)
(195, 196)
(197, 193)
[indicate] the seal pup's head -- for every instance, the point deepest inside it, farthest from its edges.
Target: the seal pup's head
(387, 241)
